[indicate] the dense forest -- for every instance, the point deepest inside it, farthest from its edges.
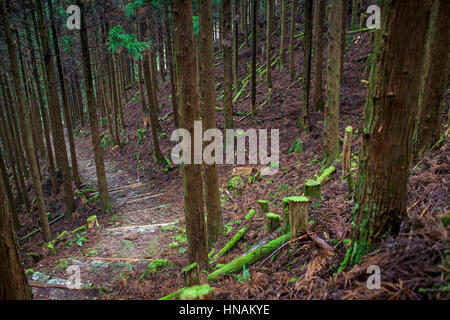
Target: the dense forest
(224, 149)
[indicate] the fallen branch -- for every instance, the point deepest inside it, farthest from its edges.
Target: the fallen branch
(249, 258)
(232, 242)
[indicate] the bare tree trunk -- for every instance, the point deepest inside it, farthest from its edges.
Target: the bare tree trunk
(292, 40)
(254, 10)
(188, 103)
(26, 135)
(227, 65)
(319, 17)
(55, 112)
(93, 118)
(304, 119)
(13, 283)
(333, 86)
(208, 92)
(380, 194)
(433, 86)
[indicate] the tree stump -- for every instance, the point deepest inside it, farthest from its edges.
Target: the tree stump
(262, 209)
(92, 222)
(191, 275)
(298, 215)
(312, 189)
(273, 221)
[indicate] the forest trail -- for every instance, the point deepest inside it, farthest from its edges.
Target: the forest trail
(129, 236)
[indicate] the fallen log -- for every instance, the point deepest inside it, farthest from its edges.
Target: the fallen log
(250, 258)
(231, 243)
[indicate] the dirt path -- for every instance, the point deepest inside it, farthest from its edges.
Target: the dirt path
(129, 237)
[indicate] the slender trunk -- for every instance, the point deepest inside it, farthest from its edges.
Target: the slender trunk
(333, 86)
(169, 54)
(92, 111)
(292, 40)
(433, 87)
(283, 35)
(65, 103)
(5, 187)
(254, 36)
(26, 136)
(319, 16)
(269, 29)
(153, 108)
(55, 112)
(227, 65)
(304, 120)
(208, 92)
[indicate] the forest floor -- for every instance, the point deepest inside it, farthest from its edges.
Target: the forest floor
(147, 222)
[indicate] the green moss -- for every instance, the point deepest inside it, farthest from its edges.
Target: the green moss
(297, 147)
(91, 218)
(250, 214)
(196, 292)
(446, 220)
(153, 267)
(29, 272)
(236, 184)
(79, 229)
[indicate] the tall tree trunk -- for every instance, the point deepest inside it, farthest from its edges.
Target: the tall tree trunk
(208, 92)
(333, 86)
(13, 283)
(254, 13)
(65, 103)
(92, 111)
(169, 54)
(355, 11)
(44, 115)
(433, 87)
(235, 46)
(292, 40)
(153, 108)
(188, 103)
(227, 65)
(26, 135)
(319, 16)
(380, 195)
(55, 112)
(5, 187)
(304, 119)
(269, 29)
(283, 35)
(344, 31)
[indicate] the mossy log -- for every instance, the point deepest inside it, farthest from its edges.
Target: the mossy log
(250, 258)
(298, 215)
(250, 214)
(273, 221)
(232, 242)
(312, 189)
(200, 292)
(262, 209)
(326, 174)
(191, 275)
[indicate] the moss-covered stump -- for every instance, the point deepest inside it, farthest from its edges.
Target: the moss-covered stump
(92, 222)
(262, 209)
(273, 221)
(285, 208)
(346, 157)
(232, 242)
(298, 215)
(296, 147)
(312, 189)
(191, 275)
(250, 258)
